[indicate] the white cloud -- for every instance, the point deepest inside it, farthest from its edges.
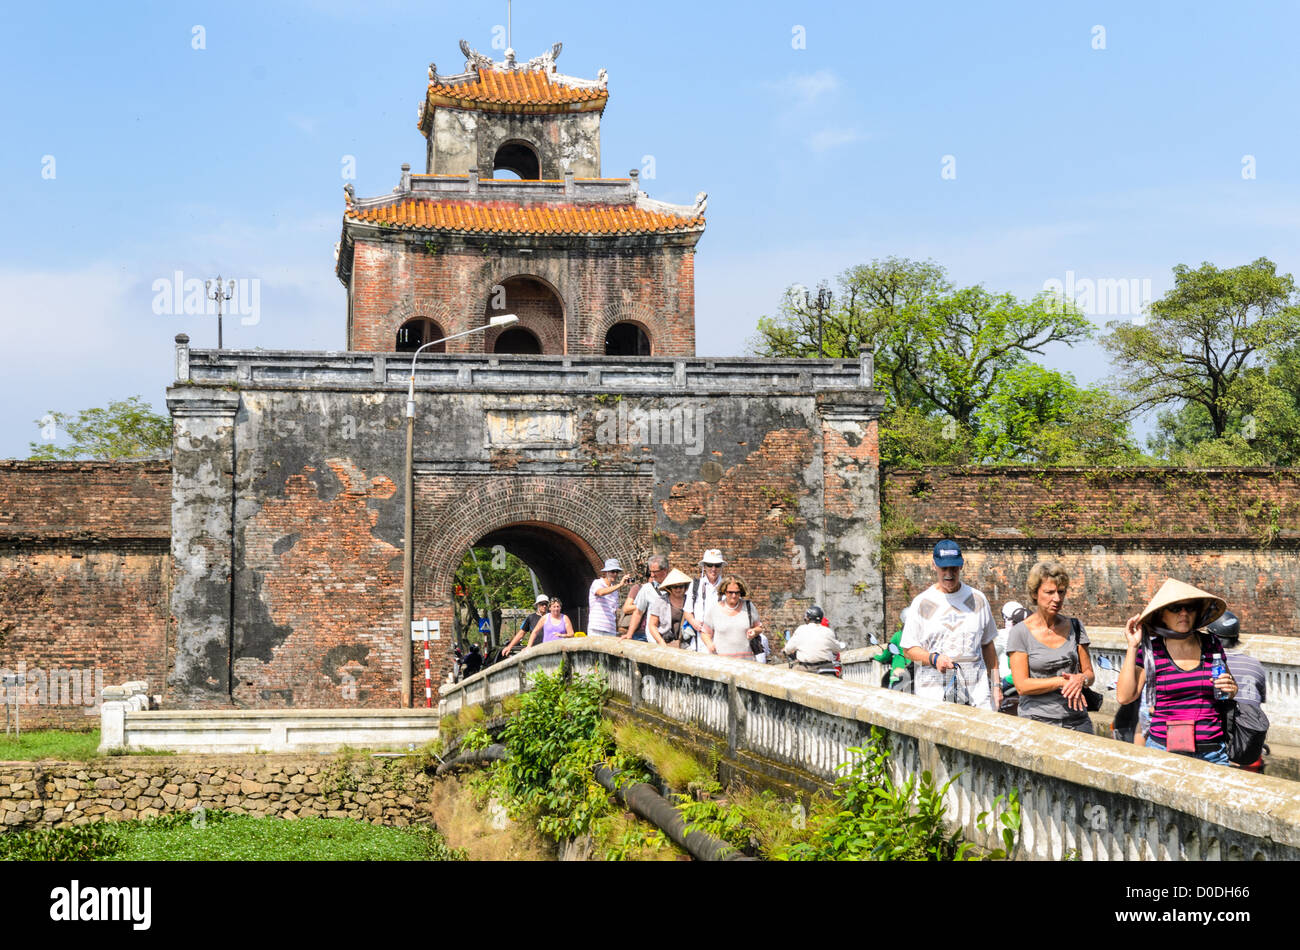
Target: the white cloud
(833, 138)
(809, 88)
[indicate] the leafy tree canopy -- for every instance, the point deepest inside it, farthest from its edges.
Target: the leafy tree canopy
(127, 429)
(955, 366)
(1202, 339)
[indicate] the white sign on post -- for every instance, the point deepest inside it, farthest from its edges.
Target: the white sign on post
(426, 629)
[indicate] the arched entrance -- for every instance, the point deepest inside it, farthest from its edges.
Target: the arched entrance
(413, 334)
(541, 317)
(519, 157)
(518, 341)
(627, 339)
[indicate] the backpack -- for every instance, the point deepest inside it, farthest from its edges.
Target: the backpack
(691, 604)
(1245, 727)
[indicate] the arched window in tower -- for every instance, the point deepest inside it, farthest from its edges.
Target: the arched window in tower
(518, 157)
(539, 309)
(626, 339)
(413, 334)
(518, 341)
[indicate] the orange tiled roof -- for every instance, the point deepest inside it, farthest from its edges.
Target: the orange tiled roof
(496, 217)
(516, 87)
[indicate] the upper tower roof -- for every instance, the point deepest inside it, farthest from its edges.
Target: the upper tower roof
(512, 87)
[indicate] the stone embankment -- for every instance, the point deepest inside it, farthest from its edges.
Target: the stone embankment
(58, 794)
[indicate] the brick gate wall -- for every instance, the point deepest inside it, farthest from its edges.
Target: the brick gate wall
(84, 581)
(1120, 533)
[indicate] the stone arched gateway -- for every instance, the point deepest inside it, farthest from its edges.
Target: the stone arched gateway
(561, 526)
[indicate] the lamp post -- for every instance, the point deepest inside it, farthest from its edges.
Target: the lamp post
(220, 295)
(408, 548)
(822, 303)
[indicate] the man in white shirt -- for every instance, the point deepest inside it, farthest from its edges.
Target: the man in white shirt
(950, 632)
(701, 595)
(813, 645)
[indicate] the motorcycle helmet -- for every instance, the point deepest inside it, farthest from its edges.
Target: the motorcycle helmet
(1226, 628)
(813, 614)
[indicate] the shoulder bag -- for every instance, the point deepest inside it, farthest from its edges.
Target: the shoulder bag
(1090, 696)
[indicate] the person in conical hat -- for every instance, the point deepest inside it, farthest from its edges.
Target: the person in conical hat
(1173, 663)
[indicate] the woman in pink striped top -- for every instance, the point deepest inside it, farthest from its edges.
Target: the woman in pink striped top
(1165, 650)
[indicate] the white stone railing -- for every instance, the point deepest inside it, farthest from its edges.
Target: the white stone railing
(1081, 795)
(1280, 657)
(127, 725)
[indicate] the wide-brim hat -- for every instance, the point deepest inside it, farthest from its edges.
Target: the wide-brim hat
(1176, 592)
(713, 556)
(674, 578)
(612, 567)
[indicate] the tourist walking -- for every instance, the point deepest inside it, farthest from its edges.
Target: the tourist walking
(1048, 652)
(1252, 681)
(637, 608)
(700, 596)
(539, 611)
(556, 626)
(1169, 662)
(603, 600)
(949, 636)
(732, 623)
(666, 613)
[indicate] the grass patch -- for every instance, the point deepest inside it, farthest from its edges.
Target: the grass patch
(678, 768)
(221, 836)
(244, 838)
(51, 744)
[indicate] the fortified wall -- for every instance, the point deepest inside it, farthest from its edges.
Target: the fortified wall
(287, 505)
(85, 578)
(1119, 532)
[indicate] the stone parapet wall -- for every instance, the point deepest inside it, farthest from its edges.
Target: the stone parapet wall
(1120, 533)
(1081, 796)
(59, 794)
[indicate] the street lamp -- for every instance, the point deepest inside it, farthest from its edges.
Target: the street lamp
(408, 550)
(222, 293)
(822, 303)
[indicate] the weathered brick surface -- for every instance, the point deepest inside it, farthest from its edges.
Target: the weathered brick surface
(84, 578)
(1120, 534)
(595, 284)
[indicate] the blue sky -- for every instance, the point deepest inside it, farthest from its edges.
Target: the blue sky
(1109, 163)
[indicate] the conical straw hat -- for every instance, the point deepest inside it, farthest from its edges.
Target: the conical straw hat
(674, 578)
(1175, 592)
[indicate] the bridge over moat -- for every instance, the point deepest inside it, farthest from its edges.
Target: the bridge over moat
(1083, 796)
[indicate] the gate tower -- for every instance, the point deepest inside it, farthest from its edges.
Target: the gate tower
(591, 265)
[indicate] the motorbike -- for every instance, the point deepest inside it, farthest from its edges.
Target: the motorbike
(829, 668)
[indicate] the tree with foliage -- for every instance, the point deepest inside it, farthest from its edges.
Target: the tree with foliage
(1039, 415)
(944, 356)
(490, 579)
(126, 429)
(1263, 423)
(1202, 339)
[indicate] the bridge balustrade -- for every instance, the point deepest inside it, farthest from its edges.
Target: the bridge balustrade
(1083, 796)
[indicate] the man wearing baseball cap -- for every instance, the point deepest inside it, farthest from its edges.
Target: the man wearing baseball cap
(949, 634)
(532, 620)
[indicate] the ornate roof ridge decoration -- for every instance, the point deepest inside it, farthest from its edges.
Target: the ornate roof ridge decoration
(531, 84)
(646, 203)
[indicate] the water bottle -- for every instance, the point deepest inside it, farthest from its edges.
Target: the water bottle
(1215, 672)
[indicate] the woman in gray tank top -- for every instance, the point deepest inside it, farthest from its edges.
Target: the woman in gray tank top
(1049, 668)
